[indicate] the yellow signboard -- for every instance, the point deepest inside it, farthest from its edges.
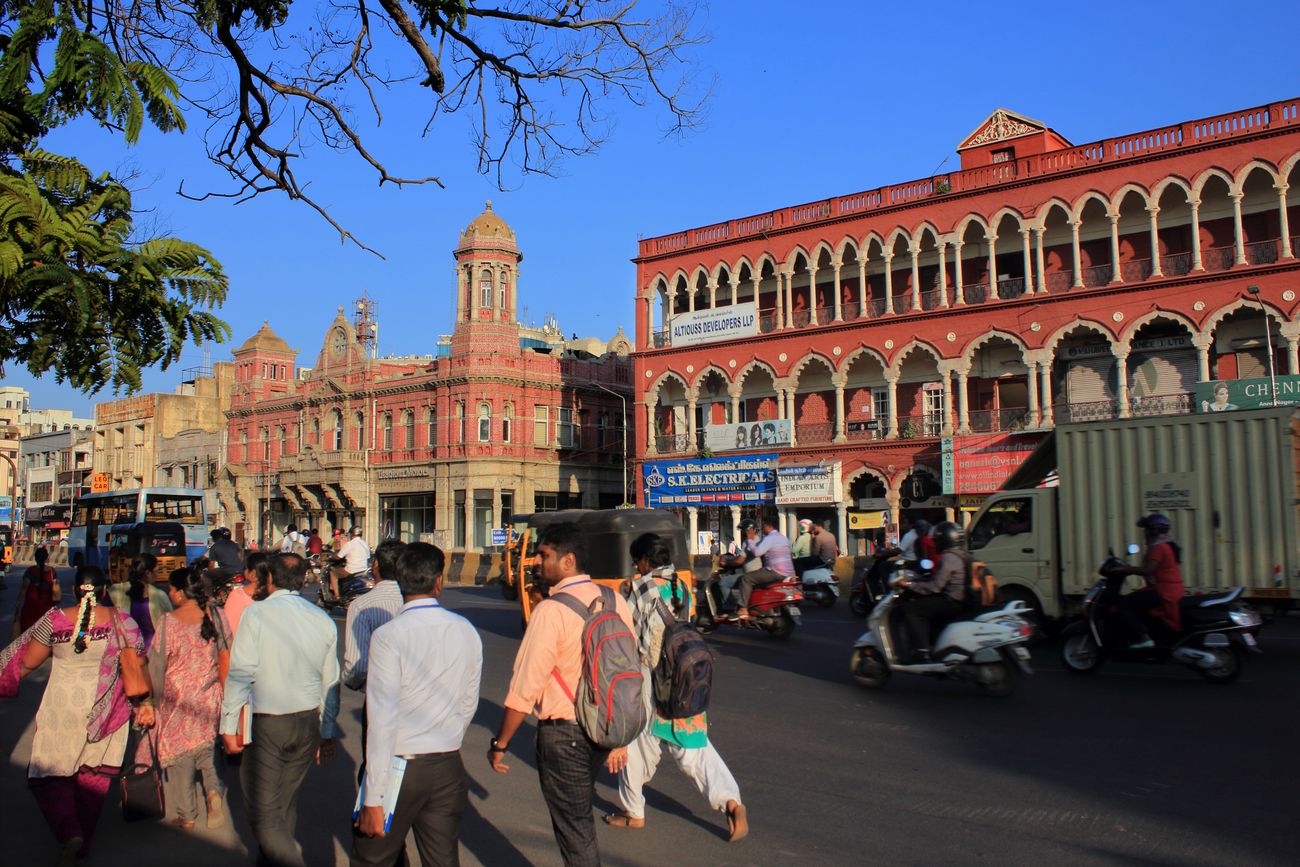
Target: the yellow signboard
(98, 483)
(866, 520)
(970, 502)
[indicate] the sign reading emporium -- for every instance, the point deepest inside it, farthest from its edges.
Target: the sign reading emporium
(710, 326)
(749, 480)
(808, 484)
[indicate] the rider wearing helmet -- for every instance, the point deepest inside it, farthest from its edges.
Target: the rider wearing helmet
(940, 596)
(225, 555)
(1164, 582)
(355, 555)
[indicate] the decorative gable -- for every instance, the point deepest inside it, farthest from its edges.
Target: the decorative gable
(1000, 126)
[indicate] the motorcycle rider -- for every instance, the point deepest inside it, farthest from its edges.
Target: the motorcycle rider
(802, 546)
(773, 549)
(224, 554)
(1164, 582)
(909, 552)
(355, 556)
(940, 596)
(824, 546)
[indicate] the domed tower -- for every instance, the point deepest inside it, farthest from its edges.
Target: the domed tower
(487, 273)
(264, 365)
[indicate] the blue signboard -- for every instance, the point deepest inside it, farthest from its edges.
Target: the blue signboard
(730, 481)
(500, 536)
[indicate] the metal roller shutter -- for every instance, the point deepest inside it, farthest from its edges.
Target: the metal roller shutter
(1090, 380)
(1162, 373)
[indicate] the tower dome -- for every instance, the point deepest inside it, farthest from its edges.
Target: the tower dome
(487, 228)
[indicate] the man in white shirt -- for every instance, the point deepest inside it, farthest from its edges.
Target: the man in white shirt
(355, 554)
(421, 694)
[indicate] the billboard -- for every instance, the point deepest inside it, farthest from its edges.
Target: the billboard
(1221, 395)
(980, 463)
(736, 481)
(747, 435)
(808, 485)
(710, 326)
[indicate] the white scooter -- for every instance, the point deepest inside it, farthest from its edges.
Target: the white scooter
(987, 649)
(820, 585)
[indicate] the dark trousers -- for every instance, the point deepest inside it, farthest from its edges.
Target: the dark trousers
(921, 611)
(1134, 609)
(430, 803)
(757, 578)
(567, 764)
(273, 769)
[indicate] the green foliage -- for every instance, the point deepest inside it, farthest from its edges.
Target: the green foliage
(80, 298)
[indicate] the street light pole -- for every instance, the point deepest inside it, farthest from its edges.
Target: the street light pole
(622, 400)
(1268, 340)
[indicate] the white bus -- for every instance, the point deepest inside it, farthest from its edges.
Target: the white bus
(95, 514)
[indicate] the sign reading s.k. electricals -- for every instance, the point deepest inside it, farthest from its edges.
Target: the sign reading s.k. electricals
(710, 326)
(748, 480)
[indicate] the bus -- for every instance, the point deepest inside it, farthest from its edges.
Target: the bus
(95, 514)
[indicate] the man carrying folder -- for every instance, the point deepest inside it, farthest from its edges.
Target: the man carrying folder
(421, 693)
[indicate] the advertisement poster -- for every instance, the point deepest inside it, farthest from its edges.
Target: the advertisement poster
(1223, 395)
(710, 326)
(980, 463)
(748, 480)
(747, 435)
(808, 485)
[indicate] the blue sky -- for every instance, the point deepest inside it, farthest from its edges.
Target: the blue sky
(809, 100)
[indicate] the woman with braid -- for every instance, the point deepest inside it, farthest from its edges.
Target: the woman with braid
(184, 673)
(81, 726)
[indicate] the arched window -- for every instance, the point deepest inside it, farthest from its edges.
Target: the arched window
(504, 293)
(283, 437)
(315, 432)
(243, 445)
(484, 422)
(266, 444)
(336, 432)
(507, 422)
(433, 427)
(386, 425)
(485, 288)
(408, 429)
(361, 431)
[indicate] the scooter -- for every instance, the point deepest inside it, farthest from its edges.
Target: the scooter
(773, 608)
(985, 649)
(350, 588)
(1217, 631)
(819, 583)
(872, 582)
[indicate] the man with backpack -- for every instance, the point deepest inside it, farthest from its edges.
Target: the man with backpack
(550, 680)
(679, 674)
(940, 597)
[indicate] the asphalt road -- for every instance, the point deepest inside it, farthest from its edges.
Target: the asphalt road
(1136, 765)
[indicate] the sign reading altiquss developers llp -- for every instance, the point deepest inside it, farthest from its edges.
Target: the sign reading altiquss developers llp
(709, 326)
(1221, 395)
(749, 480)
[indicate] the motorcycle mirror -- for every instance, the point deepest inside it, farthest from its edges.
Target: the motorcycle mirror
(1133, 549)
(927, 565)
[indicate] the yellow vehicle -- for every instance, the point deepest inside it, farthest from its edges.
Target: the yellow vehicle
(7, 540)
(610, 532)
(163, 539)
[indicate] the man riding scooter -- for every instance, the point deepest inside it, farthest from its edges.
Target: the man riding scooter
(1164, 583)
(354, 559)
(940, 596)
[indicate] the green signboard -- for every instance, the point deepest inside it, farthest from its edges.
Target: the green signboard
(1220, 395)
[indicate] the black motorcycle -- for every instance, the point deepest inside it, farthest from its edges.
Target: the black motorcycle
(1217, 632)
(350, 588)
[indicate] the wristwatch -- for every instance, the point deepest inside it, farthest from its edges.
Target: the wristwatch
(496, 746)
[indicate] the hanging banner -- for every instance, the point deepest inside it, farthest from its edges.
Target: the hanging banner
(808, 485)
(1221, 395)
(710, 481)
(747, 435)
(866, 520)
(980, 463)
(710, 326)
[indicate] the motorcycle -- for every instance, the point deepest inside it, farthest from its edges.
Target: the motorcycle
(985, 649)
(872, 582)
(773, 608)
(1217, 631)
(819, 583)
(350, 587)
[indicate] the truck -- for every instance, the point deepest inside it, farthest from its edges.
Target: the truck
(1229, 481)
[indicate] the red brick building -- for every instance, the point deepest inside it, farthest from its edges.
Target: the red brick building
(501, 417)
(1043, 282)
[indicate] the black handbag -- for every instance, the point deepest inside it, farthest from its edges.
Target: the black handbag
(142, 786)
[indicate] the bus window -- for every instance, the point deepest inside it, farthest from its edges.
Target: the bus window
(173, 507)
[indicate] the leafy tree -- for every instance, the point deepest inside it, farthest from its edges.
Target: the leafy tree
(79, 296)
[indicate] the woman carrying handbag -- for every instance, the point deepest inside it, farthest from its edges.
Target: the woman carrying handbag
(96, 677)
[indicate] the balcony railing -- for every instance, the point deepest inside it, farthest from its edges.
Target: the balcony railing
(1097, 275)
(1262, 252)
(1179, 403)
(1011, 287)
(1218, 258)
(668, 444)
(767, 322)
(999, 420)
(825, 315)
(932, 300)
(1093, 410)
(800, 319)
(877, 308)
(814, 434)
(1059, 281)
(920, 425)
(976, 293)
(1136, 270)
(1176, 264)
(851, 309)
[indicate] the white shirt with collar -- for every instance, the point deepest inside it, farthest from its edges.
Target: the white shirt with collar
(356, 554)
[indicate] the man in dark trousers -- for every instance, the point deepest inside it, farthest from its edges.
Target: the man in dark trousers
(421, 693)
(550, 658)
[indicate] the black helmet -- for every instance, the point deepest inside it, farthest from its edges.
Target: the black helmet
(1155, 523)
(946, 535)
(748, 524)
(220, 534)
(922, 527)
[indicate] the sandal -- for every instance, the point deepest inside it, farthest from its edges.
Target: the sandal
(737, 823)
(216, 810)
(624, 821)
(183, 824)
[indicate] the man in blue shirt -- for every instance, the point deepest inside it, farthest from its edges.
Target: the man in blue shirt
(284, 665)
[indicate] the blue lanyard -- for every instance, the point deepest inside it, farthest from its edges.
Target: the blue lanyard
(418, 607)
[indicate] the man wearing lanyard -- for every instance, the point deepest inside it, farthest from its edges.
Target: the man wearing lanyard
(550, 657)
(421, 693)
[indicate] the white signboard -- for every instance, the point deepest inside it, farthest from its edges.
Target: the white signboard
(747, 435)
(710, 326)
(807, 485)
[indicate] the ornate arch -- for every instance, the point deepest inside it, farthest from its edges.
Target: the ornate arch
(1284, 171)
(845, 243)
(1198, 185)
(1008, 211)
(959, 233)
(699, 378)
(863, 352)
(1244, 172)
(658, 283)
(753, 365)
(1076, 213)
(968, 353)
(816, 256)
(1158, 191)
(1126, 340)
(661, 381)
(915, 344)
(1045, 210)
(865, 246)
(1091, 324)
(718, 270)
(1216, 318)
(743, 262)
(769, 259)
(1119, 195)
(898, 232)
(794, 255)
(926, 226)
(796, 370)
(866, 470)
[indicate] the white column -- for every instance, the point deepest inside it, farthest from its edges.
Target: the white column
(1239, 236)
(1045, 393)
(1121, 378)
(780, 404)
(963, 409)
(690, 300)
(812, 294)
(690, 423)
(841, 435)
(993, 265)
(1029, 262)
(780, 299)
(1115, 276)
(889, 282)
(956, 258)
(863, 300)
(713, 293)
(693, 524)
(1284, 222)
(1292, 355)
(1074, 241)
(892, 433)
(651, 445)
(839, 306)
(735, 407)
(916, 274)
(792, 395)
(842, 521)
(789, 299)
(1197, 265)
(946, 428)
(1038, 262)
(943, 273)
(1154, 211)
(1203, 344)
(1035, 412)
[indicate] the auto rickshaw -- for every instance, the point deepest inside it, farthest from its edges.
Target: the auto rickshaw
(521, 552)
(7, 540)
(610, 532)
(163, 539)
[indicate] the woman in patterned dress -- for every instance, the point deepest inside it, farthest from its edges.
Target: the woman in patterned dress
(183, 668)
(81, 725)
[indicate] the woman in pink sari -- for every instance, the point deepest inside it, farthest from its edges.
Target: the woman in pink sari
(81, 726)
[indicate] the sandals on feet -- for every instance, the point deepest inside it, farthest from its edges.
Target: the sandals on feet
(737, 823)
(624, 821)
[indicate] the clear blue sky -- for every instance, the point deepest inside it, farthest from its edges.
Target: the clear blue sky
(810, 100)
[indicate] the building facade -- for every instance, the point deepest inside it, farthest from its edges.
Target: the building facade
(56, 469)
(502, 418)
(895, 335)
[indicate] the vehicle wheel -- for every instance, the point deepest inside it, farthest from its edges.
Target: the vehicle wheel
(1227, 667)
(825, 599)
(509, 590)
(998, 678)
(859, 604)
(784, 627)
(868, 669)
(1080, 653)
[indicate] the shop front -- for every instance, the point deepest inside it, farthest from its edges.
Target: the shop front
(406, 503)
(813, 492)
(712, 494)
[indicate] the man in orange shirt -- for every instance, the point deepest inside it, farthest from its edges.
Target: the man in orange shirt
(545, 674)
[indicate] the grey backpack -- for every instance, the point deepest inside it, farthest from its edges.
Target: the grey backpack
(608, 699)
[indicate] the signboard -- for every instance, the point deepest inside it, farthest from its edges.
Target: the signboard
(747, 435)
(1101, 347)
(710, 326)
(970, 502)
(873, 504)
(866, 520)
(99, 483)
(1168, 492)
(500, 536)
(748, 479)
(808, 484)
(59, 514)
(980, 463)
(872, 424)
(1221, 395)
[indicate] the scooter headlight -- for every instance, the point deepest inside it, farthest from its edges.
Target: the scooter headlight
(1244, 617)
